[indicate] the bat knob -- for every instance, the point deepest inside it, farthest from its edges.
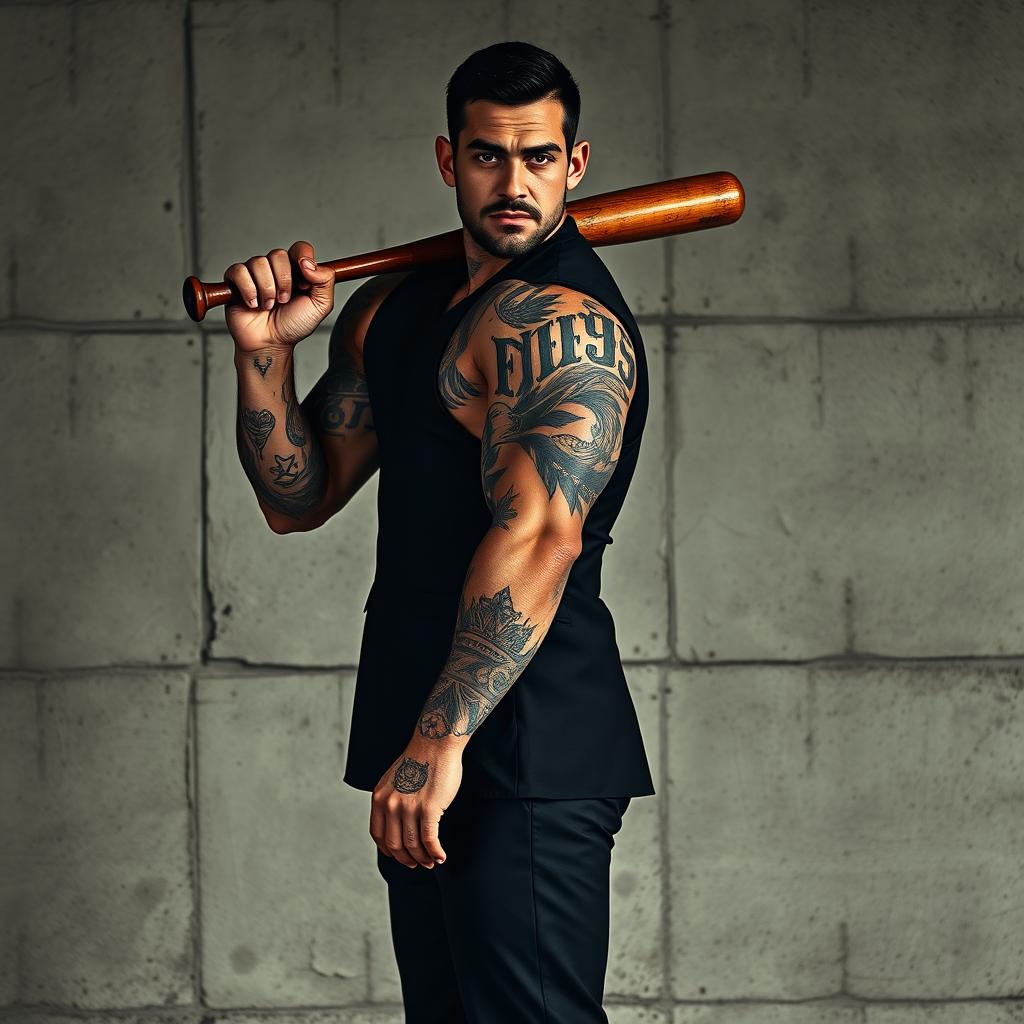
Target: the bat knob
(193, 294)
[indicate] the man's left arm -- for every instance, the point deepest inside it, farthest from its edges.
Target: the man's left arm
(559, 374)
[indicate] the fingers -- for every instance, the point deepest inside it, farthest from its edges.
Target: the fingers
(386, 826)
(411, 837)
(407, 833)
(239, 275)
(265, 281)
(299, 251)
(282, 273)
(393, 838)
(378, 817)
(429, 823)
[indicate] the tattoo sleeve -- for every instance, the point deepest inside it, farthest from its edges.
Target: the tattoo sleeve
(559, 384)
(280, 454)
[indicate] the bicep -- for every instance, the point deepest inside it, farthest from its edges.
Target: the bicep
(558, 391)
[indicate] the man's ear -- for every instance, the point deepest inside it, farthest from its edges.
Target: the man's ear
(577, 163)
(445, 160)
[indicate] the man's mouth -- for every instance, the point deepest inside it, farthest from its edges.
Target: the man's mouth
(510, 215)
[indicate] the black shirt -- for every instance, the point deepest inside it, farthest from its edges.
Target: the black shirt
(567, 726)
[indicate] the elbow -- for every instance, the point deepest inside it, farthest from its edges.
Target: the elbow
(282, 526)
(560, 546)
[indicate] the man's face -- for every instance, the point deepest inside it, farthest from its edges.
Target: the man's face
(511, 160)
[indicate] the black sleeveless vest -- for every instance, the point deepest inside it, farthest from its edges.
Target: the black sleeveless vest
(567, 726)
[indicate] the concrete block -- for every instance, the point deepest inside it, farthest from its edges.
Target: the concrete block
(949, 1013)
(620, 115)
(843, 829)
(294, 909)
(349, 122)
(847, 489)
(92, 167)
(284, 599)
(863, 134)
(634, 576)
(768, 1013)
(95, 891)
(624, 1014)
(101, 550)
(749, 487)
(636, 939)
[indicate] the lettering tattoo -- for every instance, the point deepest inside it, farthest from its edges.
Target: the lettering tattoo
(410, 775)
(596, 325)
(263, 367)
(340, 400)
(488, 654)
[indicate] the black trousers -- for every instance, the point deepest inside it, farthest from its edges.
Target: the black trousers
(513, 927)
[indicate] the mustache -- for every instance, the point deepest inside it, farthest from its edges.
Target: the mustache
(513, 207)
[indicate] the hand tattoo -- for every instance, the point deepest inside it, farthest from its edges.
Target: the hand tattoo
(410, 775)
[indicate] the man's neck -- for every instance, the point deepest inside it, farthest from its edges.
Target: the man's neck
(481, 266)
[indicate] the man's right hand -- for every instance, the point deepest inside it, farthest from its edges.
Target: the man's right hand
(281, 309)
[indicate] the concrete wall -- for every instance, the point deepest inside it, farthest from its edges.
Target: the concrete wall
(816, 579)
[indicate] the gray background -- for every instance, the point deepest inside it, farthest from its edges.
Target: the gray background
(816, 580)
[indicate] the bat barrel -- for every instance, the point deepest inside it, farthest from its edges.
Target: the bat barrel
(662, 208)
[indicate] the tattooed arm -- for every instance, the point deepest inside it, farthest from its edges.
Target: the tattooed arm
(306, 460)
(554, 373)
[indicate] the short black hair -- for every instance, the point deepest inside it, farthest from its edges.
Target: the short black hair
(512, 73)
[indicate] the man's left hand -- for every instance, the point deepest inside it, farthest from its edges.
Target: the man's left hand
(409, 799)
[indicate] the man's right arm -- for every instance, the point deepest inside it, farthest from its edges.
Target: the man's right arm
(306, 460)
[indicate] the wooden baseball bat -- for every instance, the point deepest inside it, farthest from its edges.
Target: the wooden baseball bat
(626, 215)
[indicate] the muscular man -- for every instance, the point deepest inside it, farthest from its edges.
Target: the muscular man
(502, 399)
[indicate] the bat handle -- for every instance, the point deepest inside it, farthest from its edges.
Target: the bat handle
(200, 297)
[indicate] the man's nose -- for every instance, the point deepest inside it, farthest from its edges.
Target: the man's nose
(512, 186)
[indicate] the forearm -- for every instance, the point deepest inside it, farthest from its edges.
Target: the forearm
(510, 595)
(277, 445)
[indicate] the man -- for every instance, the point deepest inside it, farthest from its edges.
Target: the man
(503, 401)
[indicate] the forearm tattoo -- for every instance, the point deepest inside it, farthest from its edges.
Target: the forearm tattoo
(488, 654)
(298, 479)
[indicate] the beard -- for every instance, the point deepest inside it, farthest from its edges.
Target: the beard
(510, 241)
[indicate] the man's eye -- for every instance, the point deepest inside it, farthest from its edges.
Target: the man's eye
(544, 156)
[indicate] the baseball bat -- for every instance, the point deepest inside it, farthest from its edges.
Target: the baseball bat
(627, 215)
